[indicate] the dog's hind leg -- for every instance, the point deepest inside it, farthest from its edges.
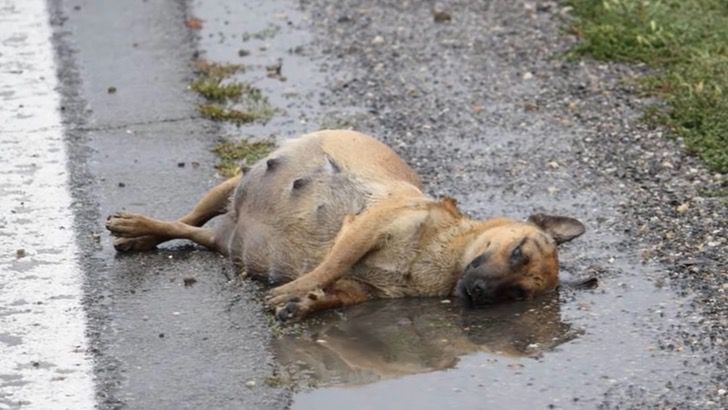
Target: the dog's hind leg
(214, 203)
(128, 225)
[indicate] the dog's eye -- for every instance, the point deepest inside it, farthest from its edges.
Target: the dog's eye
(517, 253)
(517, 256)
(476, 262)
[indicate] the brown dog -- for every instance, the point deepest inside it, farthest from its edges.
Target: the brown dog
(342, 219)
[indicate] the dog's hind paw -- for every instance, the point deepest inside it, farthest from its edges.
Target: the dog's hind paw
(127, 225)
(138, 244)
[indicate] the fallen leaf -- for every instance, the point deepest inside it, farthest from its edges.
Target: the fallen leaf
(193, 23)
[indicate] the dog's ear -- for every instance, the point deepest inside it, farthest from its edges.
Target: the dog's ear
(561, 228)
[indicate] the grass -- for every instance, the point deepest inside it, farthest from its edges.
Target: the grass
(228, 100)
(686, 42)
(213, 89)
(716, 194)
(211, 69)
(231, 154)
(217, 113)
(267, 33)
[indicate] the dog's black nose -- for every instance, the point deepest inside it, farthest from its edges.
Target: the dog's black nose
(477, 288)
(479, 292)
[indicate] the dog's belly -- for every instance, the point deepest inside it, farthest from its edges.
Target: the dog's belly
(289, 208)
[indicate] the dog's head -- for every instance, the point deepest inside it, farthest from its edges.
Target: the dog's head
(515, 260)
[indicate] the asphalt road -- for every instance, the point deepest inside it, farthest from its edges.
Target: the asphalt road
(478, 98)
(156, 343)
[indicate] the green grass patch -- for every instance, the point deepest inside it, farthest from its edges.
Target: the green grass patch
(214, 89)
(217, 113)
(242, 112)
(206, 68)
(715, 193)
(686, 42)
(719, 194)
(265, 34)
(232, 154)
(228, 100)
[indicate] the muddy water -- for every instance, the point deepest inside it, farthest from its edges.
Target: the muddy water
(612, 345)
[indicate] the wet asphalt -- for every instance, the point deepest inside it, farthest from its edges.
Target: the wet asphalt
(156, 342)
(486, 107)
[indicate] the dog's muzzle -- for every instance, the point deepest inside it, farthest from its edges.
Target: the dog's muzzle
(478, 290)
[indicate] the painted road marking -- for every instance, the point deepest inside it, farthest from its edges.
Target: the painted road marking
(44, 362)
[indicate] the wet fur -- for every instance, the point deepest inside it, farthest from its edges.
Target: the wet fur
(339, 218)
(290, 207)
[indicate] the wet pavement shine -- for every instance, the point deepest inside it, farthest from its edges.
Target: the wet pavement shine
(480, 104)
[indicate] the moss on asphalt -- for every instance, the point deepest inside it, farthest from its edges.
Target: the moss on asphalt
(686, 42)
(228, 100)
(214, 89)
(232, 153)
(206, 68)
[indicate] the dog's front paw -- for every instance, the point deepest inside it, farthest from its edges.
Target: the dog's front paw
(293, 307)
(274, 301)
(290, 311)
(282, 294)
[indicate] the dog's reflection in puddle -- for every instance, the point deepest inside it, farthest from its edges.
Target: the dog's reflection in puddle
(388, 339)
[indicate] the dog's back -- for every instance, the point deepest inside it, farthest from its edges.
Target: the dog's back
(289, 207)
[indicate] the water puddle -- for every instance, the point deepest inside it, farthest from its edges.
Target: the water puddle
(566, 350)
(385, 340)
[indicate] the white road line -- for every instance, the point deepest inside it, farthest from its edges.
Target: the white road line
(43, 358)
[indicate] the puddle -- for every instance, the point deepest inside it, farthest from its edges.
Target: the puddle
(566, 351)
(385, 340)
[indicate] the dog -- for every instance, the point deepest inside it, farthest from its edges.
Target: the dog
(335, 218)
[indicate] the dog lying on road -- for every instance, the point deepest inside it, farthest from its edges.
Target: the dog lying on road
(336, 218)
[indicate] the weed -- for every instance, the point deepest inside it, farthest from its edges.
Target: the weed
(267, 33)
(232, 101)
(213, 89)
(215, 70)
(686, 42)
